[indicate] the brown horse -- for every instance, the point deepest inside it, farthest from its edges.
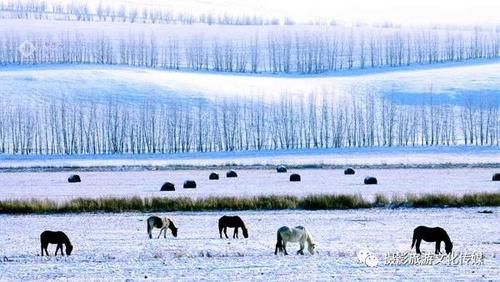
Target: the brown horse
(432, 234)
(232, 222)
(58, 238)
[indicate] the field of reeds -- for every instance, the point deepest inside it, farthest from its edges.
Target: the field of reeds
(311, 202)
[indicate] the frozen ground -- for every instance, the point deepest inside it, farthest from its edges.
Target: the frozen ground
(250, 182)
(115, 246)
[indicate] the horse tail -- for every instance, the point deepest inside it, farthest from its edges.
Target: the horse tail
(149, 227)
(221, 226)
(414, 239)
(279, 244)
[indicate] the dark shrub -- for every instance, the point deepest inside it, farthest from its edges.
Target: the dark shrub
(370, 180)
(281, 169)
(74, 178)
(496, 177)
(213, 176)
(349, 171)
(168, 187)
(191, 184)
(231, 173)
(294, 177)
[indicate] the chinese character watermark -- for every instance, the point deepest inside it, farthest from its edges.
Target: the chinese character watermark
(406, 258)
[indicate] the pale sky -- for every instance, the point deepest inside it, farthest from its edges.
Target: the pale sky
(399, 11)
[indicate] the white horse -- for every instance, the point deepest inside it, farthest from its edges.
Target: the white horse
(163, 224)
(296, 234)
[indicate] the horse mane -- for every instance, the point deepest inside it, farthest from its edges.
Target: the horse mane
(170, 223)
(309, 238)
(447, 239)
(243, 226)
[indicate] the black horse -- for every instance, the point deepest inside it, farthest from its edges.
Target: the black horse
(55, 237)
(432, 234)
(233, 222)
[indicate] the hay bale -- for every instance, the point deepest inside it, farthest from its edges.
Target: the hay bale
(294, 177)
(168, 187)
(231, 173)
(281, 169)
(74, 178)
(349, 171)
(370, 180)
(189, 184)
(496, 177)
(213, 176)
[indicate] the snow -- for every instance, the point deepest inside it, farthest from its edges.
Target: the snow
(435, 156)
(449, 83)
(255, 182)
(116, 246)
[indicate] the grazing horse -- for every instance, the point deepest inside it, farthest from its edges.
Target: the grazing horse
(432, 234)
(58, 238)
(297, 234)
(233, 222)
(163, 224)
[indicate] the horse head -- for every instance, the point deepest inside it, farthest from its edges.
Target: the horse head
(245, 231)
(173, 228)
(69, 249)
(448, 247)
(311, 248)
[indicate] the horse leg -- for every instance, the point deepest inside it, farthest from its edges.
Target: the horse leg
(284, 248)
(235, 234)
(418, 245)
(159, 234)
(301, 250)
(438, 247)
(42, 246)
(57, 249)
(225, 232)
(61, 249)
(220, 230)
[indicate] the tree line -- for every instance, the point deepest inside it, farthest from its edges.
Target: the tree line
(276, 51)
(312, 121)
(105, 11)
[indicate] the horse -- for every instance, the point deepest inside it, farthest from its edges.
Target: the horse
(432, 234)
(163, 224)
(232, 222)
(58, 238)
(296, 234)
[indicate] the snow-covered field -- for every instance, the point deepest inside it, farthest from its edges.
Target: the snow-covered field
(435, 156)
(116, 246)
(250, 182)
(448, 83)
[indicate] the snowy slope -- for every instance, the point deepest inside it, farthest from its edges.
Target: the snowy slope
(447, 83)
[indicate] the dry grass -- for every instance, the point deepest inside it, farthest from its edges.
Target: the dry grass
(312, 202)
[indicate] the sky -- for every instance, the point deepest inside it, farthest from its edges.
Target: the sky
(456, 12)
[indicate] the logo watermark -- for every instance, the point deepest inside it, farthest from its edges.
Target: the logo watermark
(27, 49)
(366, 257)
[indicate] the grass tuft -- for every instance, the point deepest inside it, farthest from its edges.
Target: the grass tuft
(273, 202)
